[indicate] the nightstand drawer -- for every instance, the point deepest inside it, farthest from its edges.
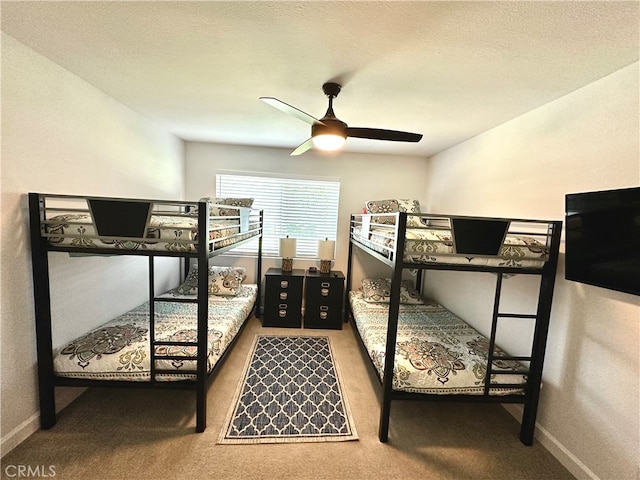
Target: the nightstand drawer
(324, 290)
(282, 314)
(283, 298)
(323, 316)
(323, 295)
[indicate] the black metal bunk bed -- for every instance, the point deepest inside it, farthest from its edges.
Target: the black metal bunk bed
(464, 239)
(122, 226)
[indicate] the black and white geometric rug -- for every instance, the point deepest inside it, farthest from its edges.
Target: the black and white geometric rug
(290, 392)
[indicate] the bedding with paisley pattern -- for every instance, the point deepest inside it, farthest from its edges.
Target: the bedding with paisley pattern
(436, 352)
(120, 349)
(166, 233)
(430, 245)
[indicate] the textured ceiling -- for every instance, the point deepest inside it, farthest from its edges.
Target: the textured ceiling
(449, 70)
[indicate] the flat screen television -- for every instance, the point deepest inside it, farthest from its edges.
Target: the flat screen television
(603, 239)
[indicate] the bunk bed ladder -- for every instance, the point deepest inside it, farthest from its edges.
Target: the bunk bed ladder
(201, 343)
(491, 354)
(153, 355)
(531, 388)
(545, 298)
(536, 357)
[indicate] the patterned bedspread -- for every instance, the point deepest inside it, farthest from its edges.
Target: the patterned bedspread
(426, 245)
(167, 233)
(436, 352)
(119, 350)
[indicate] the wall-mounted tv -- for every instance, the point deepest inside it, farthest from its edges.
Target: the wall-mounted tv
(603, 239)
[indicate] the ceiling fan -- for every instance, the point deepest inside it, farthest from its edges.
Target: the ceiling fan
(329, 133)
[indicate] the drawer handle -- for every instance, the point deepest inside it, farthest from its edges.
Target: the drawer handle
(325, 284)
(324, 315)
(282, 306)
(282, 313)
(324, 292)
(284, 283)
(324, 308)
(283, 296)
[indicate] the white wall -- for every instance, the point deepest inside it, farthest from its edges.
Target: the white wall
(363, 177)
(588, 140)
(61, 135)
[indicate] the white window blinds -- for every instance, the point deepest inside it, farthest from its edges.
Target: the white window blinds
(302, 208)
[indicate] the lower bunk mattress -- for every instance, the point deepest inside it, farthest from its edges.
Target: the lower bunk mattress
(120, 349)
(436, 352)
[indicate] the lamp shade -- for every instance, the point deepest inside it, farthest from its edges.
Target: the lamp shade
(326, 249)
(287, 247)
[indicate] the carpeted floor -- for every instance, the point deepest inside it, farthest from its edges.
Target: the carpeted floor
(122, 434)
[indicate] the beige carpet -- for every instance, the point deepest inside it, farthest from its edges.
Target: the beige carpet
(139, 434)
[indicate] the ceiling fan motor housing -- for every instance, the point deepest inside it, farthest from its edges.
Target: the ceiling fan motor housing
(331, 89)
(329, 126)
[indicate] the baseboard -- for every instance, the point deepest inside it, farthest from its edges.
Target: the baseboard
(19, 434)
(31, 425)
(559, 451)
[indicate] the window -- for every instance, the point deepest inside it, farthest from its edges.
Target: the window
(302, 208)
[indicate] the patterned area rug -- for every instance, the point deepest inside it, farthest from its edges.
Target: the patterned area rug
(290, 392)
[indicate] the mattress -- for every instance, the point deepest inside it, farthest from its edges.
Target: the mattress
(431, 245)
(166, 233)
(119, 349)
(436, 352)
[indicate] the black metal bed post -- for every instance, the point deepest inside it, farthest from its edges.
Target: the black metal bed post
(540, 335)
(392, 327)
(203, 315)
(349, 278)
(152, 320)
(259, 269)
(42, 304)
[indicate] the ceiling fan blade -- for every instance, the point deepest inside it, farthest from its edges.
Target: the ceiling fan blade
(286, 108)
(302, 148)
(381, 134)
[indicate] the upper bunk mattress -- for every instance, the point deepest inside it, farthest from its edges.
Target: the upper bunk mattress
(431, 245)
(436, 352)
(166, 233)
(119, 349)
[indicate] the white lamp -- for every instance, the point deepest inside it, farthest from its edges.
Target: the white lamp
(288, 253)
(326, 249)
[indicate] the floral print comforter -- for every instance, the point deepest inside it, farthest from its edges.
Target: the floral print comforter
(166, 233)
(120, 349)
(436, 352)
(426, 245)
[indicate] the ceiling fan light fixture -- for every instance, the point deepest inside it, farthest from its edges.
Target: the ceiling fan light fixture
(329, 133)
(329, 141)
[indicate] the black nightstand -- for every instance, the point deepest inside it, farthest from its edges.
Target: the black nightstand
(283, 298)
(323, 295)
